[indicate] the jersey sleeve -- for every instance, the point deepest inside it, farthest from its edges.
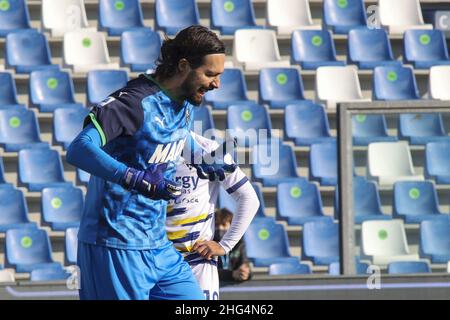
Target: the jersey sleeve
(119, 114)
(233, 181)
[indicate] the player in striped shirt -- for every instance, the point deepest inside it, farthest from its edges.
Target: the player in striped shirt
(190, 218)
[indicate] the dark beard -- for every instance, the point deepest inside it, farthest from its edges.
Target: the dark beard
(189, 91)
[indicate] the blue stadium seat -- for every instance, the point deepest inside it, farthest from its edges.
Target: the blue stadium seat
(299, 202)
(117, 16)
(370, 48)
(52, 272)
(422, 128)
(8, 92)
(51, 89)
(370, 128)
(435, 240)
(61, 207)
(323, 163)
(341, 16)
(174, 15)
(27, 51)
(13, 16)
(101, 83)
(313, 48)
(273, 163)
(71, 246)
(28, 249)
(279, 87)
(288, 268)
(82, 177)
(19, 129)
(405, 267)
(394, 83)
(334, 268)
(306, 123)
(229, 15)
(320, 242)
(13, 210)
(140, 49)
(40, 168)
(67, 124)
(226, 201)
(203, 121)
(246, 121)
(367, 203)
(416, 201)
(233, 90)
(267, 243)
(436, 161)
(425, 48)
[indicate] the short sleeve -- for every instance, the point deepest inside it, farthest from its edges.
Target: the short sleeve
(121, 114)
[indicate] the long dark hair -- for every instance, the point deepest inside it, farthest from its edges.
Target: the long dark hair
(192, 43)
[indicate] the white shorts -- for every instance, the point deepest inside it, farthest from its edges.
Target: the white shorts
(208, 278)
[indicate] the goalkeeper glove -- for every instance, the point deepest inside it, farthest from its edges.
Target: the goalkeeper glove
(151, 182)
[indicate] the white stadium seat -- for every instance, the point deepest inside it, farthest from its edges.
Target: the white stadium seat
(61, 16)
(255, 49)
(448, 267)
(439, 83)
(290, 15)
(6, 276)
(400, 15)
(336, 84)
(85, 50)
(389, 162)
(384, 241)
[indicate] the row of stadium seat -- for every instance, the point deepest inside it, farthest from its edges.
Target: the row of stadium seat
(382, 242)
(116, 16)
(28, 50)
(278, 87)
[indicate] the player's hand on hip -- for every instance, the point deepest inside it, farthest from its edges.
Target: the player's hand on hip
(151, 182)
(208, 249)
